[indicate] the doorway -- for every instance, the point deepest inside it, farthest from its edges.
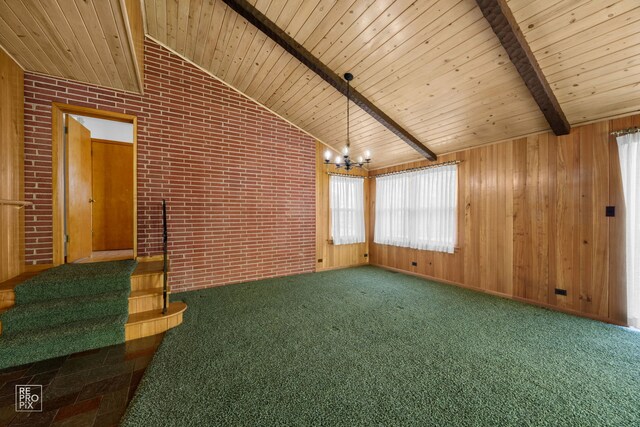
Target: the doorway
(94, 179)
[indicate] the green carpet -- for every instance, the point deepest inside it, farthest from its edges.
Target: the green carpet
(74, 280)
(71, 308)
(365, 346)
(20, 349)
(56, 312)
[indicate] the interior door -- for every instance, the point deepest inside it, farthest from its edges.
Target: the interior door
(112, 176)
(78, 190)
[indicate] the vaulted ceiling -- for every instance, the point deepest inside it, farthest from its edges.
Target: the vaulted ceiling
(89, 41)
(589, 52)
(434, 66)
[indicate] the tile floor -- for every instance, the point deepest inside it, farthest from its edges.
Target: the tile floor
(92, 388)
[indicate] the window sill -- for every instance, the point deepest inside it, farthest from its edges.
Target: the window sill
(330, 241)
(456, 249)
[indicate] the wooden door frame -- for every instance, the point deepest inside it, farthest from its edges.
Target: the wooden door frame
(58, 170)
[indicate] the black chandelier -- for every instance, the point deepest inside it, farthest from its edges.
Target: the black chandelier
(345, 160)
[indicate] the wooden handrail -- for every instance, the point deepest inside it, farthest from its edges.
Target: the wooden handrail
(16, 203)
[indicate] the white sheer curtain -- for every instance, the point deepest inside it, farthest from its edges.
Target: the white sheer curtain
(418, 209)
(346, 201)
(629, 153)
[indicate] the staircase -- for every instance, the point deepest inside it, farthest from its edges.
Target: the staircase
(145, 303)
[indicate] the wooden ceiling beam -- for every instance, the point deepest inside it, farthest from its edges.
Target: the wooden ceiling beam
(505, 26)
(261, 22)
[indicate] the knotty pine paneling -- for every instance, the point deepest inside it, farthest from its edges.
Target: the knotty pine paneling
(335, 256)
(531, 219)
(99, 42)
(11, 168)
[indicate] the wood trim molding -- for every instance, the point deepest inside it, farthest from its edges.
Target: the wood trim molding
(341, 267)
(37, 268)
(132, 12)
(505, 26)
(108, 141)
(57, 165)
(150, 258)
(262, 23)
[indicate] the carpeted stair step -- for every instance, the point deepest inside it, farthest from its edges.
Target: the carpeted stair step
(19, 349)
(2, 311)
(47, 314)
(75, 280)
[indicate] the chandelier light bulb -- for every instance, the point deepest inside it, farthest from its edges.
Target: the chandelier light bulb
(360, 160)
(345, 150)
(338, 160)
(327, 155)
(367, 155)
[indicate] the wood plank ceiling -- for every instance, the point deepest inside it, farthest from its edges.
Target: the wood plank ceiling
(80, 40)
(588, 50)
(434, 66)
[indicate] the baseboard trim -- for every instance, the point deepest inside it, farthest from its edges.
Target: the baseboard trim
(36, 268)
(505, 296)
(150, 258)
(319, 269)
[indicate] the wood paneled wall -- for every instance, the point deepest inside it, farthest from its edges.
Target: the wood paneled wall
(532, 219)
(11, 168)
(330, 256)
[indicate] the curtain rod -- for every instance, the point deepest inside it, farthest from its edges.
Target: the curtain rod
(438, 165)
(347, 175)
(625, 131)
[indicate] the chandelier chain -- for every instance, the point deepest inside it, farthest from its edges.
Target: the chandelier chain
(348, 99)
(345, 160)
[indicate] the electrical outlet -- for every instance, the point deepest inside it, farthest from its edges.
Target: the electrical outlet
(414, 263)
(561, 291)
(320, 260)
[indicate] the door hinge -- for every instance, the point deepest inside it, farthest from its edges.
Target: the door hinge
(66, 129)
(67, 238)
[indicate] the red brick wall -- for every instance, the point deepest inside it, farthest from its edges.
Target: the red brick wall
(237, 211)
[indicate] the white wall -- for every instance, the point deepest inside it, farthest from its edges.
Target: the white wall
(110, 130)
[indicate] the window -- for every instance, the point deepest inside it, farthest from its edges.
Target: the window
(346, 201)
(418, 209)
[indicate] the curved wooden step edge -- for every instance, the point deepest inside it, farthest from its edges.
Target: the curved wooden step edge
(153, 322)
